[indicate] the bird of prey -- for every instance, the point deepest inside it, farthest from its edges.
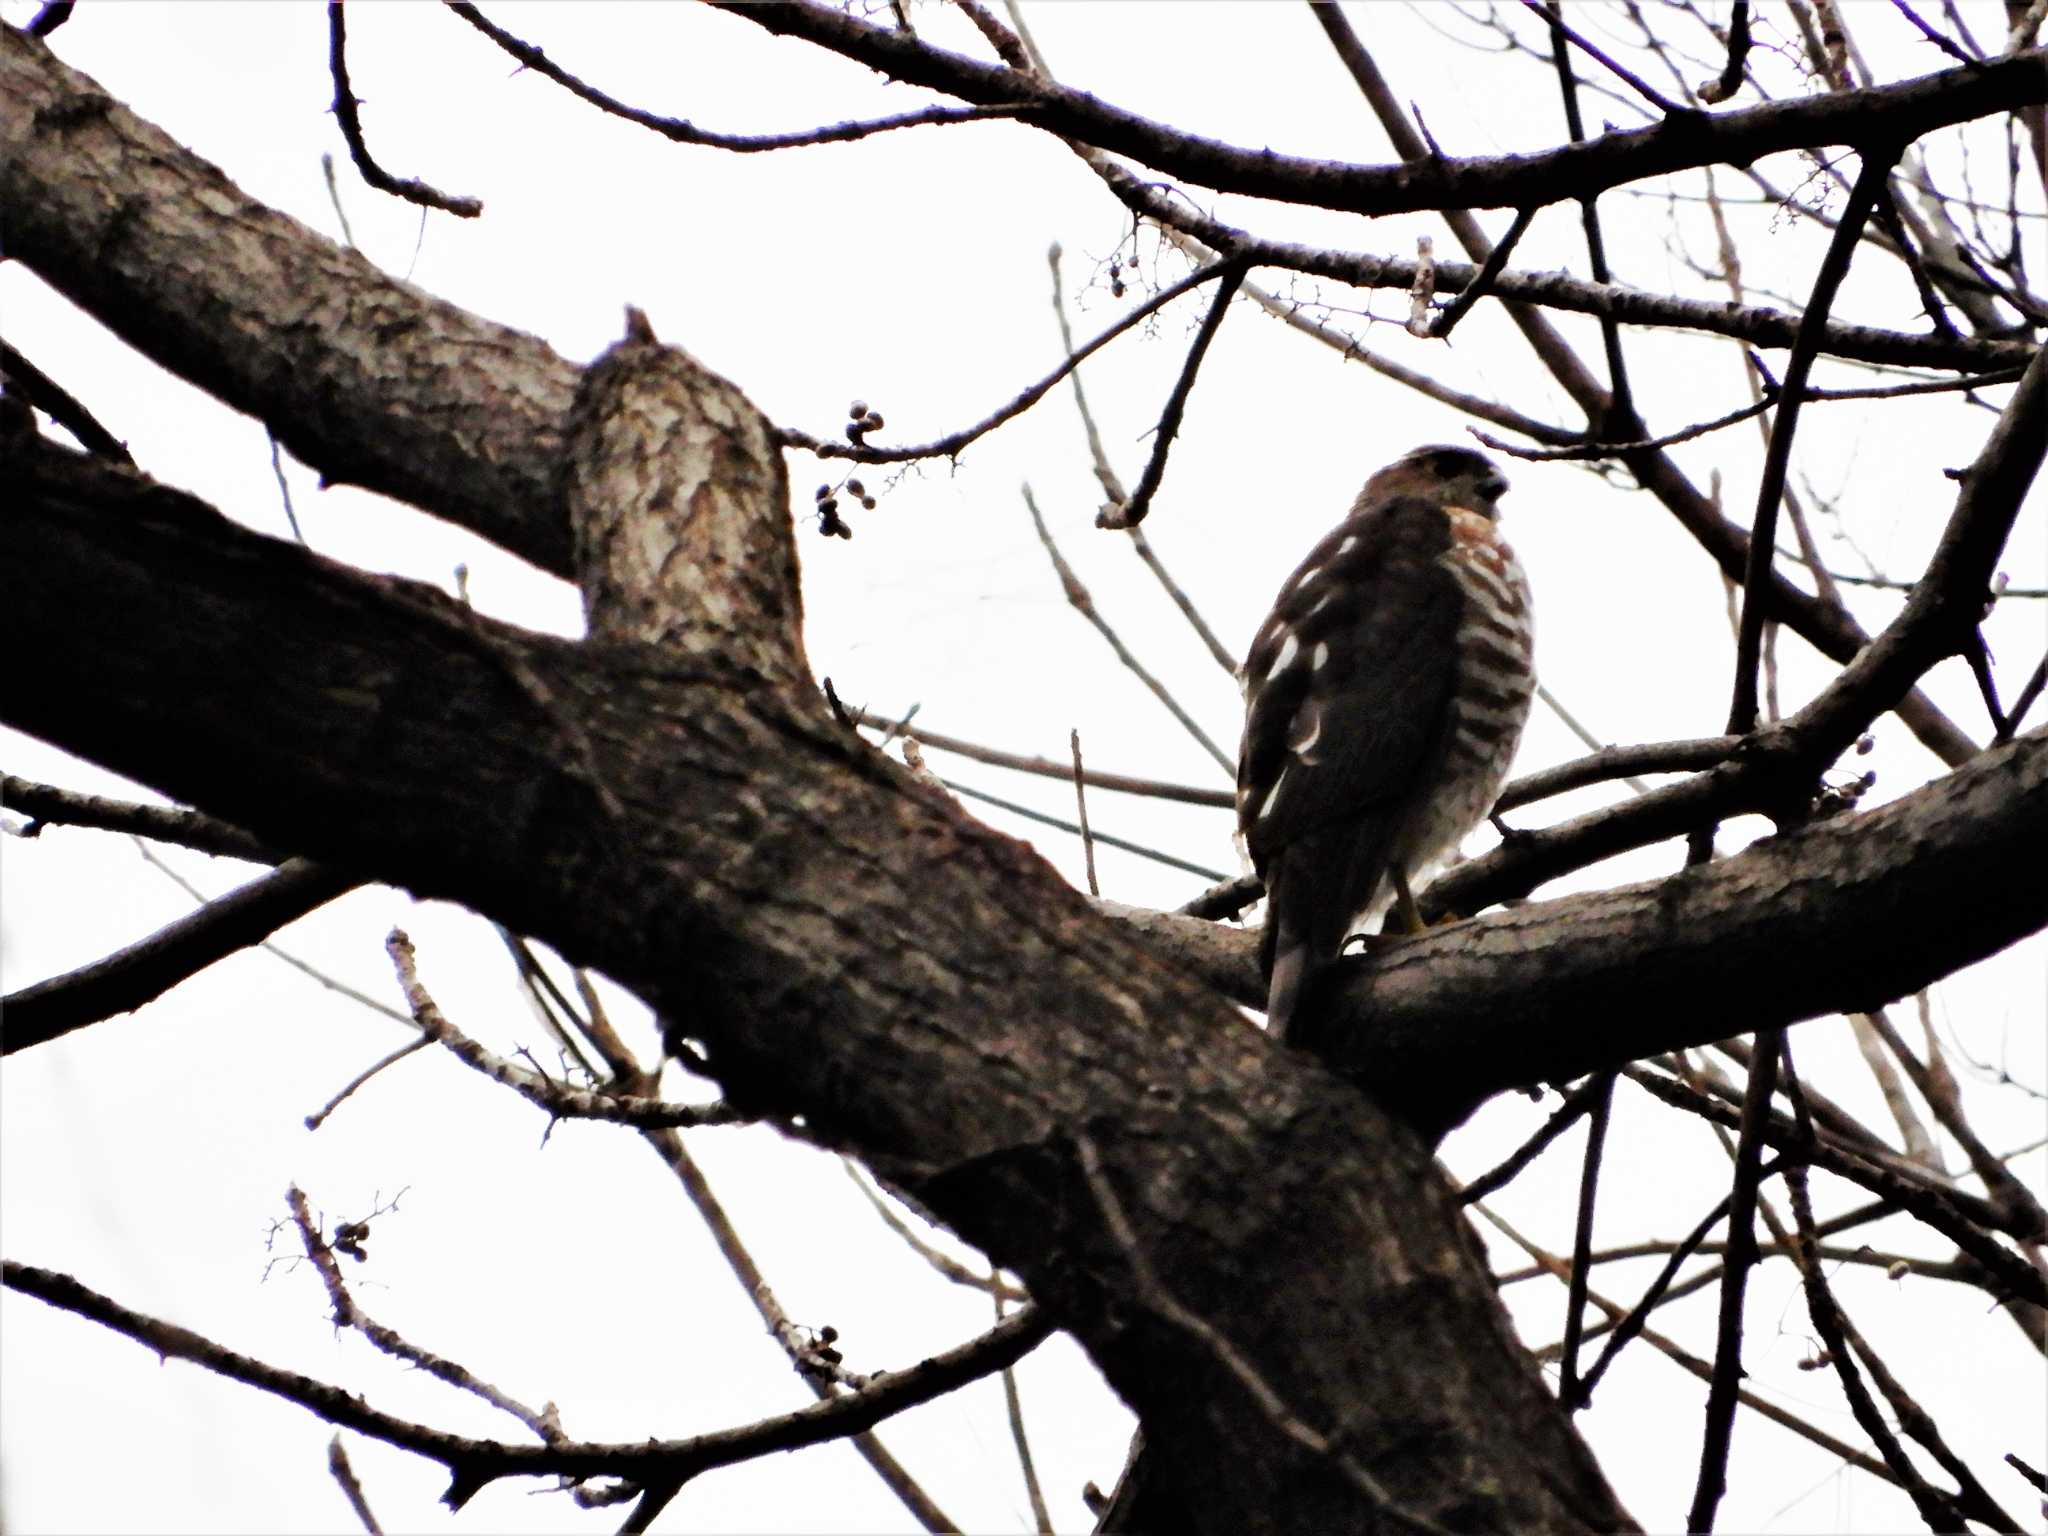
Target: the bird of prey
(1384, 695)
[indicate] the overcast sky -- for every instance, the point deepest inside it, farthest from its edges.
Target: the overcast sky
(149, 1155)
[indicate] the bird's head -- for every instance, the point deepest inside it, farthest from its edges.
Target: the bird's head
(1444, 473)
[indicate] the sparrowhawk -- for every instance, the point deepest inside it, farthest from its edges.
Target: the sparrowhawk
(1385, 695)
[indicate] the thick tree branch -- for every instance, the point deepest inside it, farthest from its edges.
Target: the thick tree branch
(1683, 142)
(921, 990)
(357, 374)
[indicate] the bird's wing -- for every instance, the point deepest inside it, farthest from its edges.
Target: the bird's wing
(1348, 688)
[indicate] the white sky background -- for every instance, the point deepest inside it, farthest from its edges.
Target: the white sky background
(149, 1155)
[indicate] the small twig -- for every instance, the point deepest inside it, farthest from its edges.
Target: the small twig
(1763, 538)
(2025, 701)
(1084, 604)
(1660, 1289)
(1936, 36)
(1013, 1406)
(344, 1474)
(1729, 81)
(951, 444)
(1132, 512)
(1935, 1507)
(319, 1118)
(1714, 1446)
(939, 1260)
(1635, 82)
(59, 404)
(1573, 1393)
(1482, 281)
(348, 1314)
(1045, 767)
(1612, 450)
(1576, 1104)
(1112, 485)
(46, 804)
(668, 1145)
(1688, 1361)
(474, 1464)
(345, 113)
(284, 491)
(1107, 839)
(1622, 763)
(681, 131)
(558, 1099)
(1081, 811)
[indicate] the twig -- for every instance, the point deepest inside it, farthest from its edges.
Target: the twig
(668, 1145)
(1713, 1475)
(348, 1314)
(131, 977)
(59, 404)
(345, 113)
(1013, 1406)
(953, 442)
(1612, 450)
(1635, 82)
(319, 1117)
(1107, 839)
(558, 1099)
(1870, 179)
(476, 1463)
(939, 1260)
(1580, 1100)
(1045, 767)
(1620, 413)
(1962, 1219)
(1659, 1291)
(1935, 35)
(1623, 763)
(1935, 1507)
(46, 803)
(681, 131)
(1132, 512)
(284, 491)
(345, 1475)
(1462, 301)
(1729, 81)
(2025, 701)
(1084, 604)
(1081, 812)
(1105, 472)
(1571, 1391)
(1698, 1367)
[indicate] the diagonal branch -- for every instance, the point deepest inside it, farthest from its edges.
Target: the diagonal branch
(125, 980)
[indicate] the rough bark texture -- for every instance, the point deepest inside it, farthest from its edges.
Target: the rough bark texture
(1268, 1267)
(853, 951)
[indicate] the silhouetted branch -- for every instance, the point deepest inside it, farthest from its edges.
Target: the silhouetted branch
(127, 979)
(346, 114)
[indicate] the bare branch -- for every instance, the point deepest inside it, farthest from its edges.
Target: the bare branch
(347, 115)
(129, 978)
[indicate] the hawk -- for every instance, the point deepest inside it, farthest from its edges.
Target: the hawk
(1384, 697)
